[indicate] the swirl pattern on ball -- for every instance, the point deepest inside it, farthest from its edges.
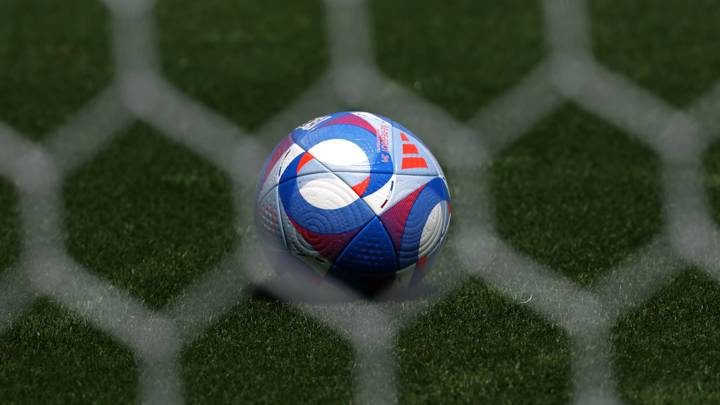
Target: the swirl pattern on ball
(355, 196)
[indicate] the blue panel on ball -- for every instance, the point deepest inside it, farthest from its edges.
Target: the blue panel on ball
(268, 221)
(314, 219)
(433, 193)
(370, 250)
(322, 221)
(352, 128)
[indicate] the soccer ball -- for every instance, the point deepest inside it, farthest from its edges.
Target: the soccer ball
(355, 197)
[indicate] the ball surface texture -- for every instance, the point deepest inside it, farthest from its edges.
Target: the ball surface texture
(356, 197)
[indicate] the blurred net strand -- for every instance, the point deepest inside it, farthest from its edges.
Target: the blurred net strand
(509, 117)
(89, 130)
(642, 275)
(706, 111)
(216, 293)
(570, 73)
(319, 97)
(16, 296)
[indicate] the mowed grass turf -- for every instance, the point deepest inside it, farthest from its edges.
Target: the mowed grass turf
(151, 217)
(663, 45)
(165, 202)
(245, 59)
(665, 351)
(577, 194)
(54, 57)
(447, 53)
(493, 349)
(264, 351)
(52, 356)
(9, 226)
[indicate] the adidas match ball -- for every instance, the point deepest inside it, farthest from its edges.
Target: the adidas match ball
(354, 197)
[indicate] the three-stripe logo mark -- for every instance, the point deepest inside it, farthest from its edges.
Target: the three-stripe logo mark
(410, 152)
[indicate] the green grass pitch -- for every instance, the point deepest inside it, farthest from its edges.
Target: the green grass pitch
(575, 193)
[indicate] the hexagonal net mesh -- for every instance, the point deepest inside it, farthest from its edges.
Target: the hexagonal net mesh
(569, 72)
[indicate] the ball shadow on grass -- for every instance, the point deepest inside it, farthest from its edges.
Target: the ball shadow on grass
(311, 290)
